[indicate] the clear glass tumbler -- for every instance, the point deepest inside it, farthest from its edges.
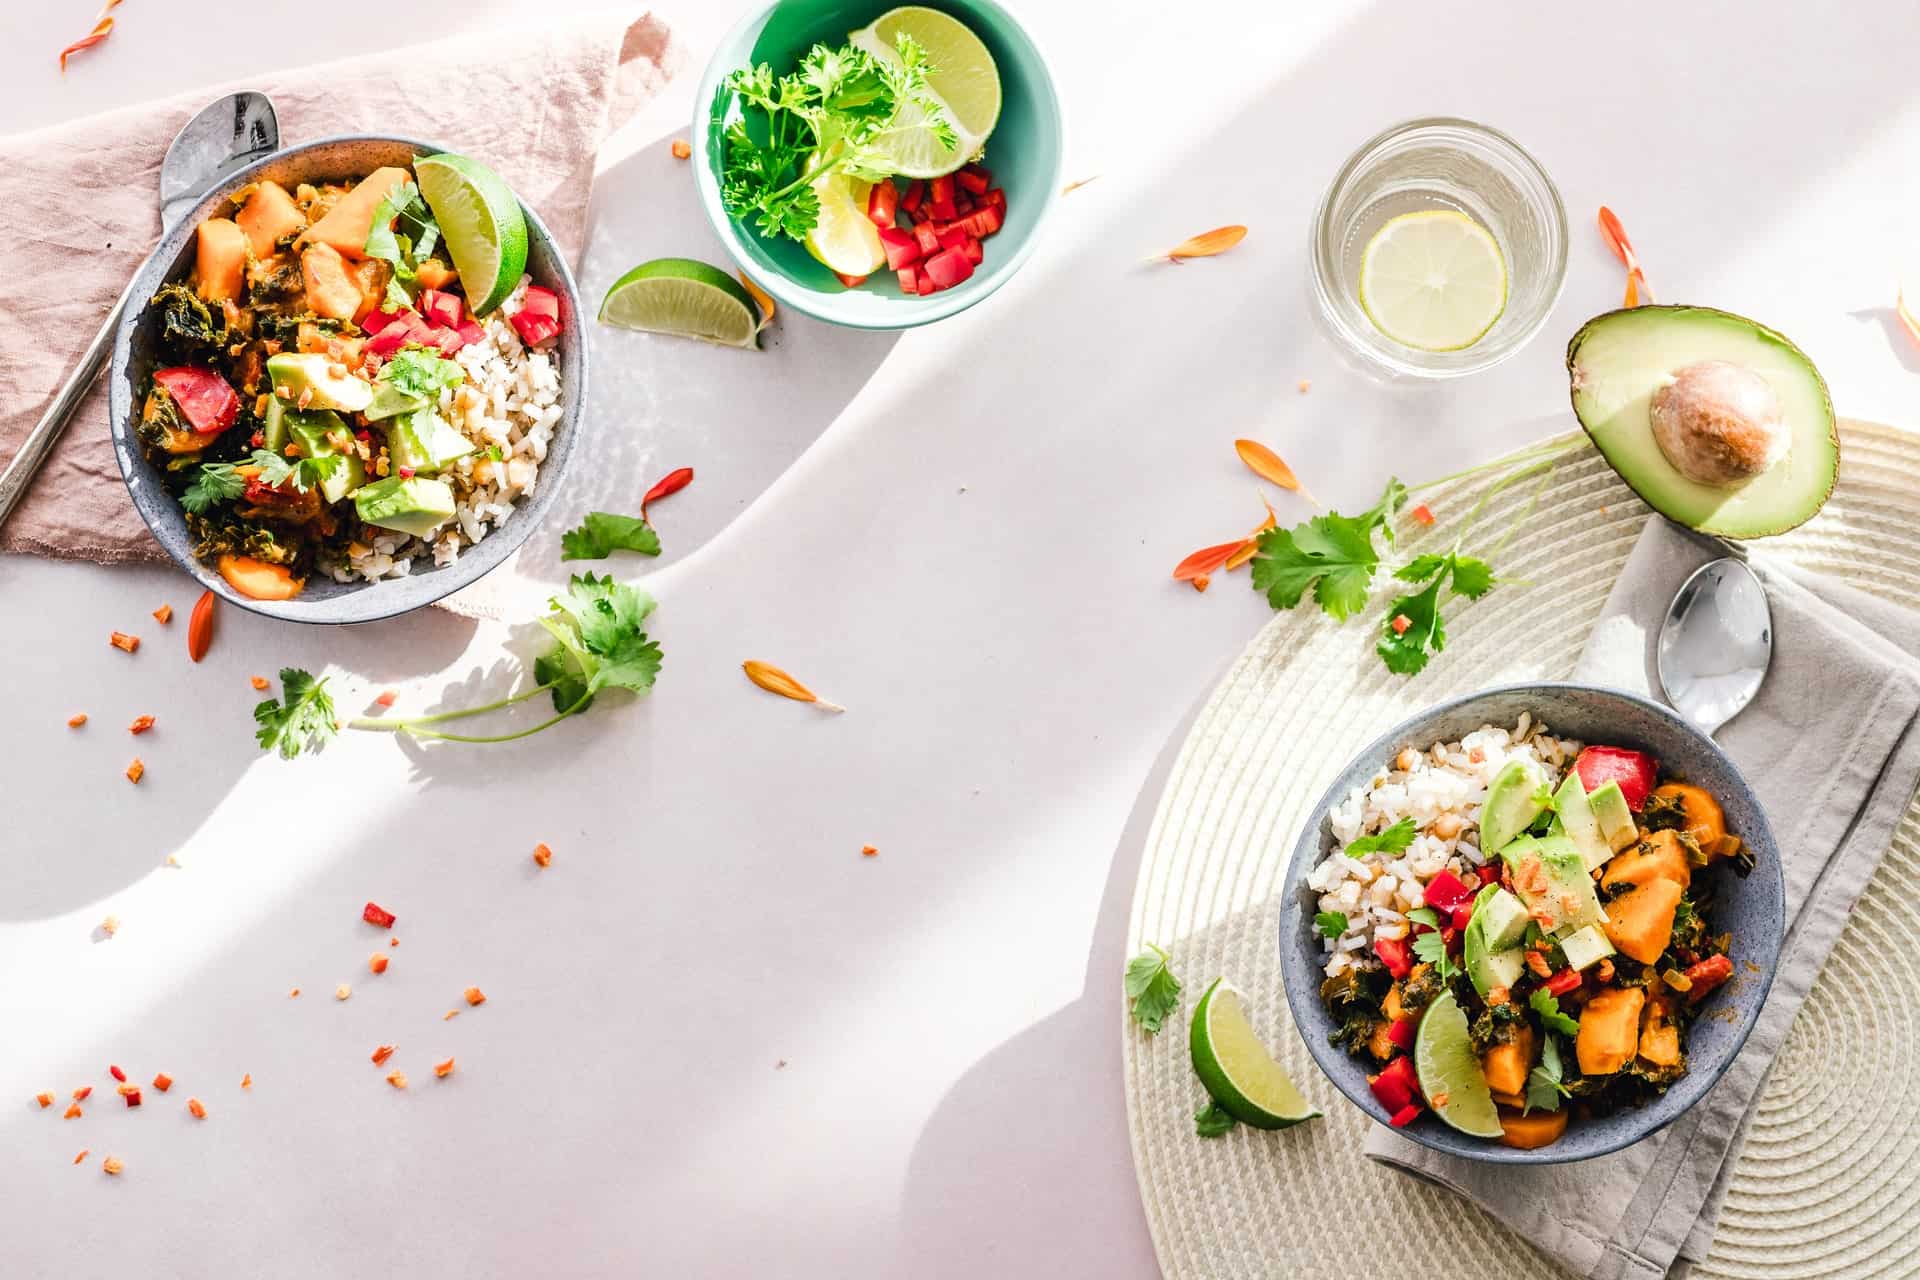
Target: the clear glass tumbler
(1440, 164)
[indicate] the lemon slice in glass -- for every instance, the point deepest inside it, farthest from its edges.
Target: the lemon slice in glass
(1434, 280)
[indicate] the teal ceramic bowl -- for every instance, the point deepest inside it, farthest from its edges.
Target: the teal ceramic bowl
(1024, 152)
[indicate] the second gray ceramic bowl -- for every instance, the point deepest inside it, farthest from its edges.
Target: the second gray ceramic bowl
(324, 600)
(1752, 908)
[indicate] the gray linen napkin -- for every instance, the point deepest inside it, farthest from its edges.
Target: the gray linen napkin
(1831, 749)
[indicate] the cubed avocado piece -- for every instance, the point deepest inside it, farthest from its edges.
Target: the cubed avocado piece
(422, 441)
(1490, 946)
(410, 504)
(1578, 823)
(1552, 880)
(1585, 947)
(273, 432)
(1609, 805)
(311, 431)
(294, 373)
(390, 401)
(1516, 796)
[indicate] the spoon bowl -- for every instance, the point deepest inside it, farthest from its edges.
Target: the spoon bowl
(1715, 644)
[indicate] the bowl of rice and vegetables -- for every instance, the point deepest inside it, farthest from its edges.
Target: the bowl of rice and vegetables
(1535, 924)
(351, 382)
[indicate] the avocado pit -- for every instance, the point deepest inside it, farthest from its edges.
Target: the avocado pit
(1719, 423)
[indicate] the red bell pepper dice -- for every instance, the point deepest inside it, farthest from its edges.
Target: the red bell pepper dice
(378, 320)
(1446, 891)
(1405, 1116)
(948, 268)
(940, 199)
(1395, 954)
(962, 204)
(1489, 874)
(447, 341)
(975, 254)
(902, 249)
(953, 237)
(1396, 1087)
(1562, 982)
(1401, 1032)
(916, 192)
(985, 221)
(390, 339)
(441, 309)
(973, 179)
(1450, 937)
(997, 198)
(883, 202)
(469, 333)
(1635, 771)
(926, 237)
(1707, 975)
(375, 914)
(206, 401)
(923, 285)
(1461, 914)
(542, 302)
(909, 281)
(538, 319)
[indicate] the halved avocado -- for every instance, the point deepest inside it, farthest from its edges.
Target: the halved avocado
(1619, 361)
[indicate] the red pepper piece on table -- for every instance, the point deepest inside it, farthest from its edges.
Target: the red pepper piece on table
(375, 914)
(673, 482)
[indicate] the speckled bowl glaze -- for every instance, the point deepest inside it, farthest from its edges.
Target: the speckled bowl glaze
(1752, 909)
(324, 600)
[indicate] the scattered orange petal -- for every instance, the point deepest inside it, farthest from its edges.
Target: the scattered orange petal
(1269, 466)
(260, 683)
(112, 1165)
(75, 721)
(342, 991)
(542, 855)
(868, 851)
(387, 698)
(377, 962)
(140, 724)
(381, 1054)
(1248, 550)
(102, 28)
(1616, 237)
(475, 996)
(1205, 561)
(393, 942)
(680, 149)
(163, 615)
(124, 642)
(449, 1015)
(293, 994)
(44, 1099)
(1078, 183)
(196, 1108)
(246, 1081)
(136, 771)
(82, 1093)
(774, 680)
(1204, 245)
(1306, 385)
(163, 1082)
(83, 1154)
(443, 1069)
(1908, 321)
(173, 860)
(760, 297)
(398, 1079)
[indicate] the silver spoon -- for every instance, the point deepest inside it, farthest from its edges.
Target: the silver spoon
(1715, 644)
(225, 135)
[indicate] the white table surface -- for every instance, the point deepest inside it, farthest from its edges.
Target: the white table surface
(963, 534)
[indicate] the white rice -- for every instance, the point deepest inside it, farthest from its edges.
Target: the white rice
(511, 401)
(1442, 789)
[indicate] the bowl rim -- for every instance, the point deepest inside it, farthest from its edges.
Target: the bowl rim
(1308, 849)
(911, 313)
(152, 273)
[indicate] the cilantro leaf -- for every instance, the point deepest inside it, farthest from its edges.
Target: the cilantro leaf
(1406, 651)
(1333, 554)
(596, 625)
(602, 533)
(1152, 990)
(214, 482)
(1544, 1089)
(1432, 948)
(1394, 839)
(421, 373)
(303, 722)
(1472, 576)
(1331, 924)
(1420, 568)
(1211, 1122)
(1547, 1006)
(403, 232)
(1426, 916)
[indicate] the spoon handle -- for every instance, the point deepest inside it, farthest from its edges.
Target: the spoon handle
(19, 474)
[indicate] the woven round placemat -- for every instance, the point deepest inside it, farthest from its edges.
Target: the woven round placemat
(1829, 1182)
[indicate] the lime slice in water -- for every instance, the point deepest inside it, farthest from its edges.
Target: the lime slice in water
(1434, 280)
(1237, 1069)
(1450, 1074)
(964, 81)
(481, 222)
(844, 237)
(685, 298)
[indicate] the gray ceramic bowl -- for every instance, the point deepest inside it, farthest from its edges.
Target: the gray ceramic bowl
(325, 600)
(1751, 908)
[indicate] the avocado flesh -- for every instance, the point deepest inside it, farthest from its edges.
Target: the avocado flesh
(409, 504)
(1617, 361)
(1579, 823)
(1514, 800)
(1609, 805)
(1490, 945)
(310, 432)
(1563, 893)
(423, 441)
(294, 373)
(1585, 947)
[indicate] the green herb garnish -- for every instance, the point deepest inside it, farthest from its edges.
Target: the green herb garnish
(1211, 1122)
(403, 234)
(1394, 839)
(1152, 990)
(1331, 924)
(1544, 1089)
(302, 722)
(602, 533)
(1547, 1006)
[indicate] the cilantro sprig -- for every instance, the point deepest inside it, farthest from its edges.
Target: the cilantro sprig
(1431, 947)
(601, 533)
(301, 719)
(1546, 1006)
(402, 235)
(1544, 1089)
(216, 482)
(832, 115)
(1152, 990)
(1393, 839)
(1211, 1121)
(1331, 924)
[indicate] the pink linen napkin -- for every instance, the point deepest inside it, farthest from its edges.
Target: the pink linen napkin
(84, 211)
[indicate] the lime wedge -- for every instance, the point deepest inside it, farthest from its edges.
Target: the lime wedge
(1450, 1074)
(1237, 1069)
(963, 80)
(1434, 280)
(685, 298)
(844, 237)
(481, 222)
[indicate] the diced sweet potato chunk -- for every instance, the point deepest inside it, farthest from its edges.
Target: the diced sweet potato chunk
(1609, 1030)
(346, 224)
(1640, 921)
(268, 216)
(1534, 1129)
(219, 261)
(1660, 856)
(332, 291)
(1659, 1037)
(1705, 821)
(1506, 1065)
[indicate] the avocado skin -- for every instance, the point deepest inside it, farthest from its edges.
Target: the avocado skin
(1772, 335)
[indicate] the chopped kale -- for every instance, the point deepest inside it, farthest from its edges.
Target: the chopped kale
(190, 331)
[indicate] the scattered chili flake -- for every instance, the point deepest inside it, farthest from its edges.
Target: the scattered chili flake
(398, 1079)
(140, 724)
(376, 914)
(72, 1112)
(163, 615)
(246, 1081)
(393, 942)
(112, 1165)
(163, 1082)
(868, 851)
(672, 482)
(377, 962)
(260, 683)
(131, 1094)
(75, 721)
(200, 626)
(680, 149)
(196, 1108)
(1078, 183)
(381, 1054)
(342, 991)
(449, 1015)
(1202, 582)
(124, 642)
(475, 996)
(83, 1154)
(1422, 514)
(111, 926)
(443, 1069)
(173, 860)
(82, 1093)
(293, 994)
(1400, 624)
(387, 699)
(116, 1073)
(44, 1099)
(136, 771)
(542, 855)
(1306, 385)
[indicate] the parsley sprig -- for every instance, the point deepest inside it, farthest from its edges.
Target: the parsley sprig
(601, 533)
(301, 719)
(1152, 990)
(217, 482)
(1544, 1089)
(403, 234)
(1393, 839)
(830, 116)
